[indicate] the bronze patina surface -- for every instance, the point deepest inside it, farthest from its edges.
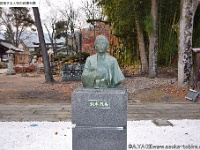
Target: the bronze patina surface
(101, 70)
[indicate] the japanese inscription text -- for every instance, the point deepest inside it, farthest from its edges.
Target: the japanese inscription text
(100, 104)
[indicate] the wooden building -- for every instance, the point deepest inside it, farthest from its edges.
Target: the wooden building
(4, 46)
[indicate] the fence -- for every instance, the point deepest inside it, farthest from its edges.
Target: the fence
(72, 72)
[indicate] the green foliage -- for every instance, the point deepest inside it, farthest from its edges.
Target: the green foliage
(71, 59)
(37, 52)
(64, 50)
(75, 58)
(3, 65)
(142, 12)
(61, 29)
(121, 15)
(168, 16)
(124, 15)
(0, 11)
(148, 24)
(85, 55)
(59, 56)
(196, 29)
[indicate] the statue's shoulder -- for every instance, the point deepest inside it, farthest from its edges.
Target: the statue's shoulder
(92, 57)
(111, 58)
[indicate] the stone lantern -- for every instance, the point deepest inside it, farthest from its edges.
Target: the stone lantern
(10, 70)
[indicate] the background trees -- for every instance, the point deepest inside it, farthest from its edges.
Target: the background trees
(93, 14)
(196, 29)
(15, 21)
(184, 30)
(168, 15)
(140, 27)
(145, 34)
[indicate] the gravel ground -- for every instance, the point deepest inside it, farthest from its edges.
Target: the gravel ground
(32, 89)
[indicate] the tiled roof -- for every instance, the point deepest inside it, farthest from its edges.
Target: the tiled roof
(10, 46)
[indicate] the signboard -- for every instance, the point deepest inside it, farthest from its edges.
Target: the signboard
(22, 59)
(192, 95)
(99, 104)
(19, 3)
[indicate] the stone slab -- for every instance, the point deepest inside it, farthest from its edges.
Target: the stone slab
(99, 128)
(89, 139)
(84, 115)
(161, 122)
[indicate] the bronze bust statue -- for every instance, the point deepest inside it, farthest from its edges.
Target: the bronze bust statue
(101, 70)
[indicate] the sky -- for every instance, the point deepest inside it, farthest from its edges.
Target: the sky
(49, 8)
(48, 11)
(43, 4)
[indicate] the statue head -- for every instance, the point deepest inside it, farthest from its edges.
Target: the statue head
(101, 44)
(103, 71)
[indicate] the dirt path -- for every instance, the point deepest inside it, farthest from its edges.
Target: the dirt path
(30, 99)
(32, 89)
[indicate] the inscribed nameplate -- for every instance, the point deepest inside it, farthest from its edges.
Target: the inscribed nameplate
(100, 104)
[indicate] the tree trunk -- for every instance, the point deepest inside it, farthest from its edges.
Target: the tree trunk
(45, 57)
(185, 28)
(79, 46)
(143, 56)
(153, 41)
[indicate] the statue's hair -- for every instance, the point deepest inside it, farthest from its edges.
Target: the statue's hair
(99, 37)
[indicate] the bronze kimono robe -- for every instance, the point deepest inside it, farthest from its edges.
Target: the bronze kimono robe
(101, 73)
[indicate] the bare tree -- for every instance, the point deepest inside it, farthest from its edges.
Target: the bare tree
(94, 13)
(50, 24)
(69, 22)
(45, 57)
(52, 34)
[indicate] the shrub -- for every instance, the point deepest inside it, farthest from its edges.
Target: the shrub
(74, 59)
(59, 56)
(2, 65)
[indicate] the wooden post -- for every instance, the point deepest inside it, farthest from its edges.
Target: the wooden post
(80, 47)
(197, 68)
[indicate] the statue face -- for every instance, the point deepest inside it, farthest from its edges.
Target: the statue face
(101, 46)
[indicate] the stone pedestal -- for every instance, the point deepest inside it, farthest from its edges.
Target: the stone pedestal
(100, 119)
(10, 72)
